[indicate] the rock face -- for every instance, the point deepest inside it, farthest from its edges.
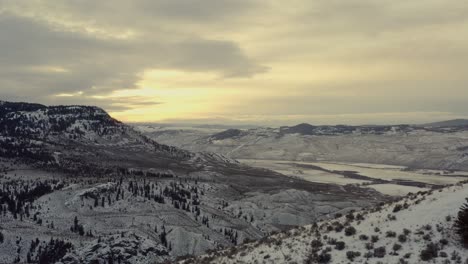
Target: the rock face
(121, 248)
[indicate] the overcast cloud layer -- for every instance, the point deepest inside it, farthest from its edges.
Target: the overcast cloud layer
(240, 61)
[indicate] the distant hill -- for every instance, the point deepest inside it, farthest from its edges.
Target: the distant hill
(304, 129)
(448, 123)
(443, 148)
(228, 134)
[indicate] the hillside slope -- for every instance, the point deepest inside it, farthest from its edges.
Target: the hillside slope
(78, 186)
(417, 229)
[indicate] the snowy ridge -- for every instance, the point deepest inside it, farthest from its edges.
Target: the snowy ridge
(416, 229)
(39, 132)
(41, 122)
(43, 131)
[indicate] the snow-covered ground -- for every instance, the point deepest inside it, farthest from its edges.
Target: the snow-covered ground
(130, 226)
(334, 173)
(393, 163)
(79, 182)
(388, 173)
(395, 189)
(416, 229)
(289, 168)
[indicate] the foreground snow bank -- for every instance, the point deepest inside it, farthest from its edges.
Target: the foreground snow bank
(416, 229)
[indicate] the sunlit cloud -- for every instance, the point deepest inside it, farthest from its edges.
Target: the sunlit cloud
(69, 94)
(49, 69)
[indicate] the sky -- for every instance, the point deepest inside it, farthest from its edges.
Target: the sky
(240, 61)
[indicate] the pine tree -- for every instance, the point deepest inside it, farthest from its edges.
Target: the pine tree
(461, 224)
(75, 223)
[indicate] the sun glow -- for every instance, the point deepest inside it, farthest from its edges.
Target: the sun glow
(178, 93)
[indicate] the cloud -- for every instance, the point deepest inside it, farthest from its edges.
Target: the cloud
(378, 17)
(111, 104)
(40, 60)
(194, 10)
(213, 54)
(149, 13)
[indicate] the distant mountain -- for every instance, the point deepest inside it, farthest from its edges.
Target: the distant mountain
(405, 145)
(195, 126)
(304, 129)
(307, 129)
(448, 123)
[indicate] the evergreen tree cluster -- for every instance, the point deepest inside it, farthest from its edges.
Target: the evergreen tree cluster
(182, 195)
(16, 147)
(461, 224)
(78, 228)
(18, 196)
(47, 252)
(231, 234)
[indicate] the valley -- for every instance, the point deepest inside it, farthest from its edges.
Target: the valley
(417, 158)
(79, 186)
(415, 147)
(387, 179)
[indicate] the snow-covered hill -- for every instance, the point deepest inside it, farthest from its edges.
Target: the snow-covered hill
(417, 229)
(41, 133)
(77, 137)
(78, 186)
